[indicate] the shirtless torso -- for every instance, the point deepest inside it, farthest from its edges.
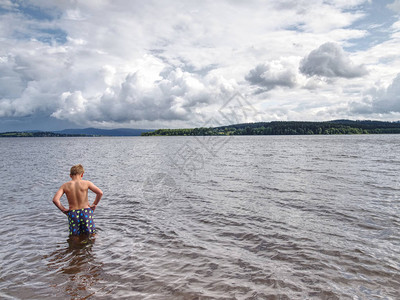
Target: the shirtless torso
(76, 191)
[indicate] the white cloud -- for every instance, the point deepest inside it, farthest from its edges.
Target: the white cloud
(161, 94)
(320, 16)
(7, 4)
(329, 60)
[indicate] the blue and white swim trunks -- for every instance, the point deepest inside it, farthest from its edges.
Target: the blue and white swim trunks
(81, 221)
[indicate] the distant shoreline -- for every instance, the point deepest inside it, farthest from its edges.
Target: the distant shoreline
(335, 127)
(287, 128)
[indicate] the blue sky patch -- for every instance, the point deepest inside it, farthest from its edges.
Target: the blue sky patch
(35, 12)
(377, 22)
(51, 36)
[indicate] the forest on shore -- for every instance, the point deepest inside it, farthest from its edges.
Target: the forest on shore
(287, 128)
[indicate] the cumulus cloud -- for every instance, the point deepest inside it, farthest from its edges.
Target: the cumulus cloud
(330, 60)
(272, 74)
(30, 80)
(169, 96)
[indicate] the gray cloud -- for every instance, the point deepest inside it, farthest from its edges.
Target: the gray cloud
(382, 101)
(379, 101)
(31, 81)
(390, 101)
(271, 75)
(329, 60)
(395, 6)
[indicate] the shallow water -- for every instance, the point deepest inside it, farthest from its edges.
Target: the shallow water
(263, 217)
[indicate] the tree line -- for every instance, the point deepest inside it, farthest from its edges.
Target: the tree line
(287, 128)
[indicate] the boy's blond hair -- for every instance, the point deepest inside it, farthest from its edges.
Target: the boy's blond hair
(77, 170)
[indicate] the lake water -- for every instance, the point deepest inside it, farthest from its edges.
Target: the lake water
(245, 217)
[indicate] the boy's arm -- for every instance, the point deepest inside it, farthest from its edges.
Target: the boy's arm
(56, 200)
(98, 192)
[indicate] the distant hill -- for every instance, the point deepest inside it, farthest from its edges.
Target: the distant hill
(35, 133)
(105, 132)
(77, 132)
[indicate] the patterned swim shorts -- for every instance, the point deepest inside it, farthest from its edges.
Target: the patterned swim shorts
(81, 221)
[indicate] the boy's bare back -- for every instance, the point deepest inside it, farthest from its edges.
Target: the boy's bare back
(76, 191)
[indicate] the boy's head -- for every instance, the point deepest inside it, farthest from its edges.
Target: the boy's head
(76, 170)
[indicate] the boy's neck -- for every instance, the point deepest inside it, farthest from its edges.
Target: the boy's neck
(76, 177)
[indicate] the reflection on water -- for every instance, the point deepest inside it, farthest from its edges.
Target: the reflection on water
(76, 267)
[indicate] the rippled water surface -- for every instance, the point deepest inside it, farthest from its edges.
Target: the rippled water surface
(285, 217)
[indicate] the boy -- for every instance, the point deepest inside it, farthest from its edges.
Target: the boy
(80, 213)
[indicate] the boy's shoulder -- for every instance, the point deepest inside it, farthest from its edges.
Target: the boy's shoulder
(65, 184)
(86, 183)
(69, 183)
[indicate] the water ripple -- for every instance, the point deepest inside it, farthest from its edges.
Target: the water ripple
(267, 218)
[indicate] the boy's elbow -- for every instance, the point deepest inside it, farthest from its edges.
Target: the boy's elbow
(100, 193)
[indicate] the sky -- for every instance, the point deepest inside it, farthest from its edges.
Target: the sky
(181, 64)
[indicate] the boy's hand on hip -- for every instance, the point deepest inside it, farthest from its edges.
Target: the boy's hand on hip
(93, 207)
